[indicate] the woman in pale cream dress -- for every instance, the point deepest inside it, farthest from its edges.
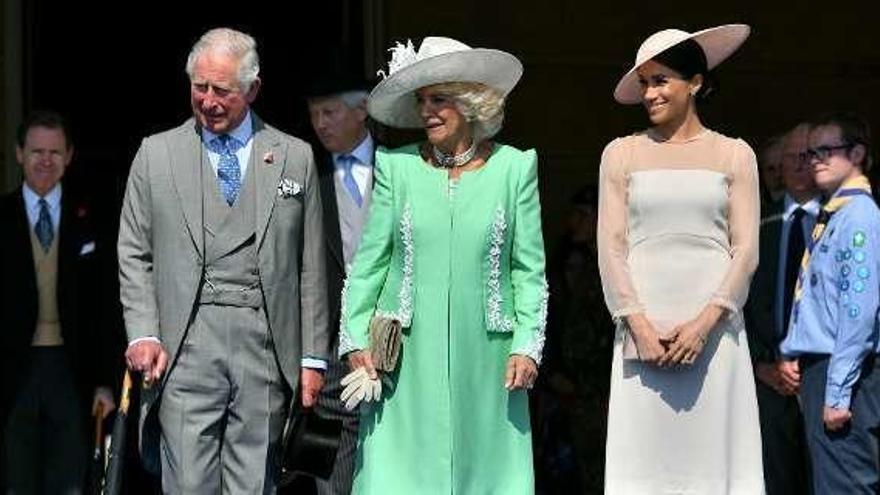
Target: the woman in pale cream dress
(678, 237)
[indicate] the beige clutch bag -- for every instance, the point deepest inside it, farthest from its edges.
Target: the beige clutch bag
(385, 339)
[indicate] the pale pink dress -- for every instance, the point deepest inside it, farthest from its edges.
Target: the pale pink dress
(678, 229)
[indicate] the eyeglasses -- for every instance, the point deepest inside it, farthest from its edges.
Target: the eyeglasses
(822, 153)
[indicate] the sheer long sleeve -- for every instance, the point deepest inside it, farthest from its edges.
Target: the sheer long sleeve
(620, 294)
(744, 219)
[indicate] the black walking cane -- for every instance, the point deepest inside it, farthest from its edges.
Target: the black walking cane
(116, 455)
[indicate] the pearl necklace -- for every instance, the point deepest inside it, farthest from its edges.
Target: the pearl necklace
(452, 161)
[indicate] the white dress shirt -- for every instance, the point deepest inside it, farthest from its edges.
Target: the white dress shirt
(808, 221)
(32, 205)
(362, 168)
(244, 134)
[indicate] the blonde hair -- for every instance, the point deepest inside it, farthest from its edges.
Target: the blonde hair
(482, 106)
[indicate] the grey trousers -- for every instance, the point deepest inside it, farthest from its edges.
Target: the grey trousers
(46, 449)
(222, 408)
(843, 461)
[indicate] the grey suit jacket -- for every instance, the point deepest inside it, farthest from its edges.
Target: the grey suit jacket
(760, 308)
(161, 248)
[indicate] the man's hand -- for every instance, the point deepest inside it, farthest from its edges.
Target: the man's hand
(521, 372)
(362, 359)
(834, 418)
(148, 357)
(104, 400)
(789, 375)
(768, 373)
(310, 382)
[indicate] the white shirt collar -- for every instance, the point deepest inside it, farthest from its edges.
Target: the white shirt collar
(32, 199)
(363, 152)
(242, 133)
(790, 205)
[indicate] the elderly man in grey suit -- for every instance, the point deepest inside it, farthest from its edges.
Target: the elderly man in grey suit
(222, 268)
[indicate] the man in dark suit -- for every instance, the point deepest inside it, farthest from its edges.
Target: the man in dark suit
(337, 109)
(54, 339)
(785, 232)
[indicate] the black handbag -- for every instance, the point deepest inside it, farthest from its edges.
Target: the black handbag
(308, 444)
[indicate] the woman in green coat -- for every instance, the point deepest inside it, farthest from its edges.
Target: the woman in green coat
(453, 250)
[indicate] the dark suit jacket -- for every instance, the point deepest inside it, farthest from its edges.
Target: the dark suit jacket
(335, 257)
(335, 260)
(759, 310)
(91, 332)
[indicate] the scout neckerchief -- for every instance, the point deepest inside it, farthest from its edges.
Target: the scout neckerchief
(849, 190)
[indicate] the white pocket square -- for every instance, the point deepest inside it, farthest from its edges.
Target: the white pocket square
(87, 248)
(288, 188)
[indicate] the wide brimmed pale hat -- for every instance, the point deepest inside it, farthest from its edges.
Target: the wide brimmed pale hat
(438, 60)
(717, 43)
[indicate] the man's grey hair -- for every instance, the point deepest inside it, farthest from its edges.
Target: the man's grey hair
(354, 99)
(228, 41)
(351, 99)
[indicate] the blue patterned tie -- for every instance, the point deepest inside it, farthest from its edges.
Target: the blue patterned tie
(43, 228)
(228, 169)
(347, 162)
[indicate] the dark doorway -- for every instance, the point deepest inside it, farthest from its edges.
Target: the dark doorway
(117, 70)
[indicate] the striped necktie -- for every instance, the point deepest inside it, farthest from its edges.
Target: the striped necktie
(849, 190)
(44, 229)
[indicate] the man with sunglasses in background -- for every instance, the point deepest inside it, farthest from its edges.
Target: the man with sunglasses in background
(833, 329)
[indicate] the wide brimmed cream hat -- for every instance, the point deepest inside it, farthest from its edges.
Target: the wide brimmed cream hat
(718, 43)
(438, 60)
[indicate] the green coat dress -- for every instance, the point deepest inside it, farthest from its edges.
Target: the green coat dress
(462, 267)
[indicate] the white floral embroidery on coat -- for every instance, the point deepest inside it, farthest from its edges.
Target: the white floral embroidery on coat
(535, 349)
(405, 299)
(346, 343)
(404, 311)
(496, 320)
(404, 296)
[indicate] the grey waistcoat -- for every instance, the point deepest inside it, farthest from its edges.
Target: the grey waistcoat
(231, 264)
(351, 219)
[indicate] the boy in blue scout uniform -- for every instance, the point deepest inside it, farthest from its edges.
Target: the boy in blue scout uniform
(832, 341)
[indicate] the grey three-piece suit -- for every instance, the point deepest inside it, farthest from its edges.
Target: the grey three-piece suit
(237, 295)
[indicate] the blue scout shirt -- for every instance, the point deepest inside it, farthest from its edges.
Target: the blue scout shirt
(837, 314)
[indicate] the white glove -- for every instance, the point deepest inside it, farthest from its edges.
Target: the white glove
(358, 387)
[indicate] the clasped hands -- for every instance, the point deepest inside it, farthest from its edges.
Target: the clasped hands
(783, 376)
(680, 347)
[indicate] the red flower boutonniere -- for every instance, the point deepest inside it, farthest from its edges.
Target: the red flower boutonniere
(269, 158)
